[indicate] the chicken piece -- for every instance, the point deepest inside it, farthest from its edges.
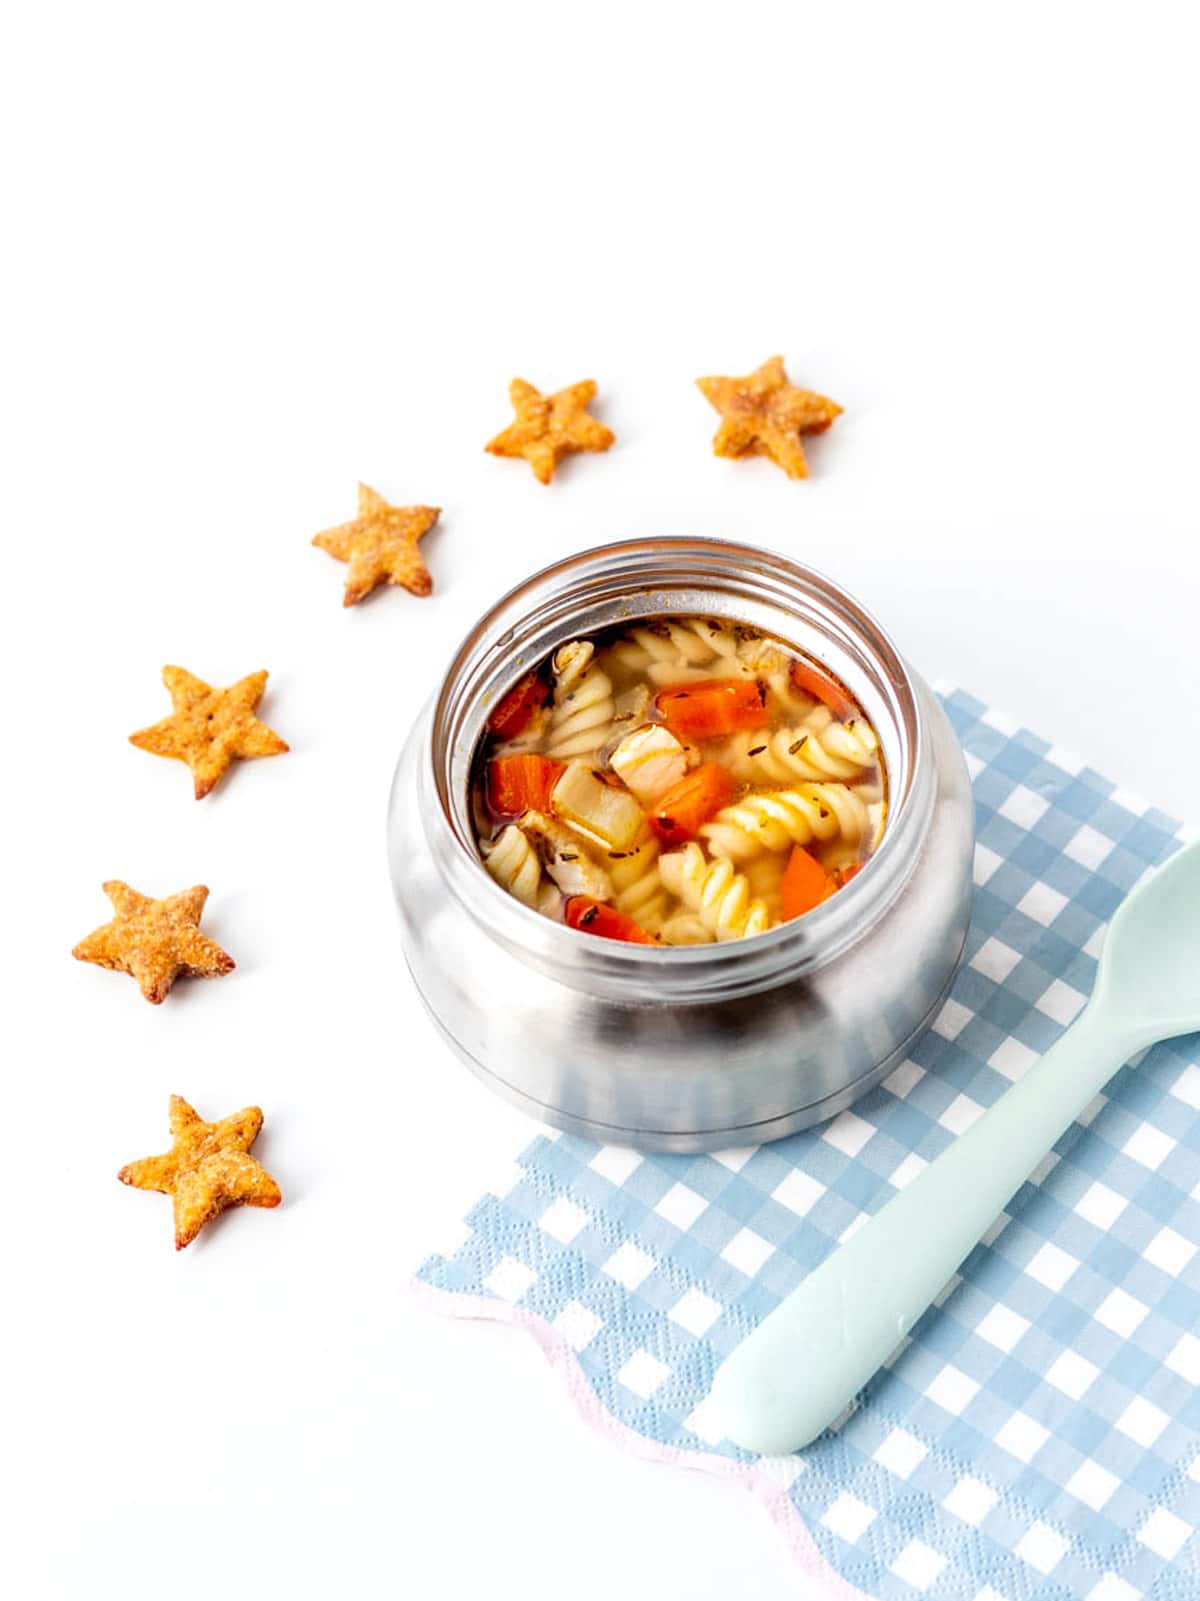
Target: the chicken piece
(565, 857)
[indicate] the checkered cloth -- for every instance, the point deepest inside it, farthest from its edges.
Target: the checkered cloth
(1037, 1435)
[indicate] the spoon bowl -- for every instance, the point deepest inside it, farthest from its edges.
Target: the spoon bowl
(1149, 973)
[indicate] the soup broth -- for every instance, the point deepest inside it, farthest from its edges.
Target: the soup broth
(677, 781)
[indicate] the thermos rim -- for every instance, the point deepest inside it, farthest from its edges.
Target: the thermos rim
(648, 577)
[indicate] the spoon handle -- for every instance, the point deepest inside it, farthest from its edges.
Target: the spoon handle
(806, 1361)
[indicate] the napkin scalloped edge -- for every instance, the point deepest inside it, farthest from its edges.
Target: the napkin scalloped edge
(767, 1490)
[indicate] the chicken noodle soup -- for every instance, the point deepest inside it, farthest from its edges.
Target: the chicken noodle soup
(677, 781)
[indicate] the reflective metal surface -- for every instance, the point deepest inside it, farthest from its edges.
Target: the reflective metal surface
(700, 1047)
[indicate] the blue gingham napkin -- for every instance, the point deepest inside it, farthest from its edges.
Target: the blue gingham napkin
(1037, 1435)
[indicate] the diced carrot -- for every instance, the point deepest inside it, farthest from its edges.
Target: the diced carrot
(595, 917)
(511, 717)
(678, 814)
(711, 707)
(805, 884)
(843, 875)
(823, 686)
(517, 784)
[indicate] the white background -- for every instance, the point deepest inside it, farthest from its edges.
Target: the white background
(257, 252)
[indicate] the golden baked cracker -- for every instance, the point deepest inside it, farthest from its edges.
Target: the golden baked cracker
(210, 728)
(765, 415)
(208, 1169)
(549, 427)
(155, 941)
(381, 546)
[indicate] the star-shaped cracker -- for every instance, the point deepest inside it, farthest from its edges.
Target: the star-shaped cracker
(381, 546)
(549, 427)
(208, 1169)
(210, 728)
(765, 415)
(155, 941)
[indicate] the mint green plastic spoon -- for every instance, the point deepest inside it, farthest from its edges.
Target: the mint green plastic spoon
(808, 1359)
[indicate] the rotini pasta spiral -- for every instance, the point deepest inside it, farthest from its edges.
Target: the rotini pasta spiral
(702, 640)
(785, 700)
(514, 864)
(817, 752)
(690, 641)
(676, 672)
(637, 884)
(582, 715)
(572, 661)
(765, 877)
(641, 646)
(685, 928)
(715, 891)
(786, 817)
